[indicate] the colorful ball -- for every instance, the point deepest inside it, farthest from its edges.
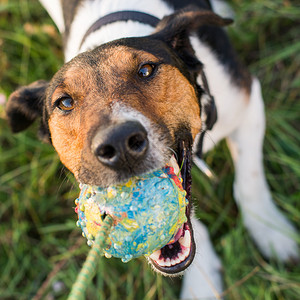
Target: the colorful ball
(148, 211)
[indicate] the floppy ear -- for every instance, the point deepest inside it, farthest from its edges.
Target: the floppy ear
(175, 30)
(25, 105)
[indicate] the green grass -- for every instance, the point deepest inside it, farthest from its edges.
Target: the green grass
(41, 249)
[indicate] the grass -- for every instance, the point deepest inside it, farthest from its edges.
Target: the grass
(41, 248)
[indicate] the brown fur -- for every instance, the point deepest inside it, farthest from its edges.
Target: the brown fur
(113, 80)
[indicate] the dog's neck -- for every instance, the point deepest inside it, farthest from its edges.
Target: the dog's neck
(126, 15)
(89, 12)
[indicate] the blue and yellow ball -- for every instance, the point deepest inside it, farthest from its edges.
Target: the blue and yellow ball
(147, 211)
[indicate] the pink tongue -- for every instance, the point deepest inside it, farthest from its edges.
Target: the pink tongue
(176, 236)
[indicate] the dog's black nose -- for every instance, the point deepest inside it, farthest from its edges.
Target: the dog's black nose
(121, 146)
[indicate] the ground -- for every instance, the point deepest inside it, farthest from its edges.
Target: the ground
(41, 248)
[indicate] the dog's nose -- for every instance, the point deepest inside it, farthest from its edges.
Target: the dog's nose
(121, 146)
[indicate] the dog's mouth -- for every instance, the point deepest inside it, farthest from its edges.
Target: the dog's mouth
(179, 253)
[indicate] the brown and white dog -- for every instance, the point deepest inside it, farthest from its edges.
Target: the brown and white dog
(142, 83)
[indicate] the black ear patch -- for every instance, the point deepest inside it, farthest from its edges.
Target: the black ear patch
(207, 103)
(176, 28)
(211, 113)
(25, 105)
(175, 31)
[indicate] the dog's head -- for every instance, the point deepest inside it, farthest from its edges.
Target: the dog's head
(125, 108)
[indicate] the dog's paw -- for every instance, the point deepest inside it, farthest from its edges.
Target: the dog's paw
(203, 278)
(274, 235)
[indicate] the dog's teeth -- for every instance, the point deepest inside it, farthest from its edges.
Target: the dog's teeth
(155, 255)
(173, 262)
(162, 263)
(174, 165)
(177, 261)
(186, 253)
(181, 257)
(185, 243)
(186, 239)
(168, 262)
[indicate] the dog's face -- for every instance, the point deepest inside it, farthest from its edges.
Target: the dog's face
(125, 108)
(121, 110)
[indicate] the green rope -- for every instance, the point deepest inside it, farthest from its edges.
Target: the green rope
(89, 267)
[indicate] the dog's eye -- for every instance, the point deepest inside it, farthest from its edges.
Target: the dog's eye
(65, 104)
(146, 70)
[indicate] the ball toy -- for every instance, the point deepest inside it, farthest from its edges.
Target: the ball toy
(147, 212)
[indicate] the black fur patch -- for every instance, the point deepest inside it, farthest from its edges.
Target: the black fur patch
(25, 105)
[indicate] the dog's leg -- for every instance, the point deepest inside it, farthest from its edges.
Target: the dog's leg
(203, 279)
(270, 230)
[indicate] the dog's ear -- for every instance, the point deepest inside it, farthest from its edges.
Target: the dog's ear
(25, 105)
(176, 29)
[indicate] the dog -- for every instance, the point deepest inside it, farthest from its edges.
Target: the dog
(142, 84)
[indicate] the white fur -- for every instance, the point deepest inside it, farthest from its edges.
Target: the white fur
(271, 231)
(158, 151)
(116, 31)
(90, 11)
(221, 8)
(239, 118)
(54, 9)
(230, 100)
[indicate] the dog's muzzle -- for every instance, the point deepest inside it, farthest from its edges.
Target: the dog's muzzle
(122, 146)
(124, 149)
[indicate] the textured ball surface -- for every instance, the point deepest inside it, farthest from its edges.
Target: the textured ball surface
(147, 212)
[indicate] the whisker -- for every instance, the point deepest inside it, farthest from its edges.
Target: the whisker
(173, 151)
